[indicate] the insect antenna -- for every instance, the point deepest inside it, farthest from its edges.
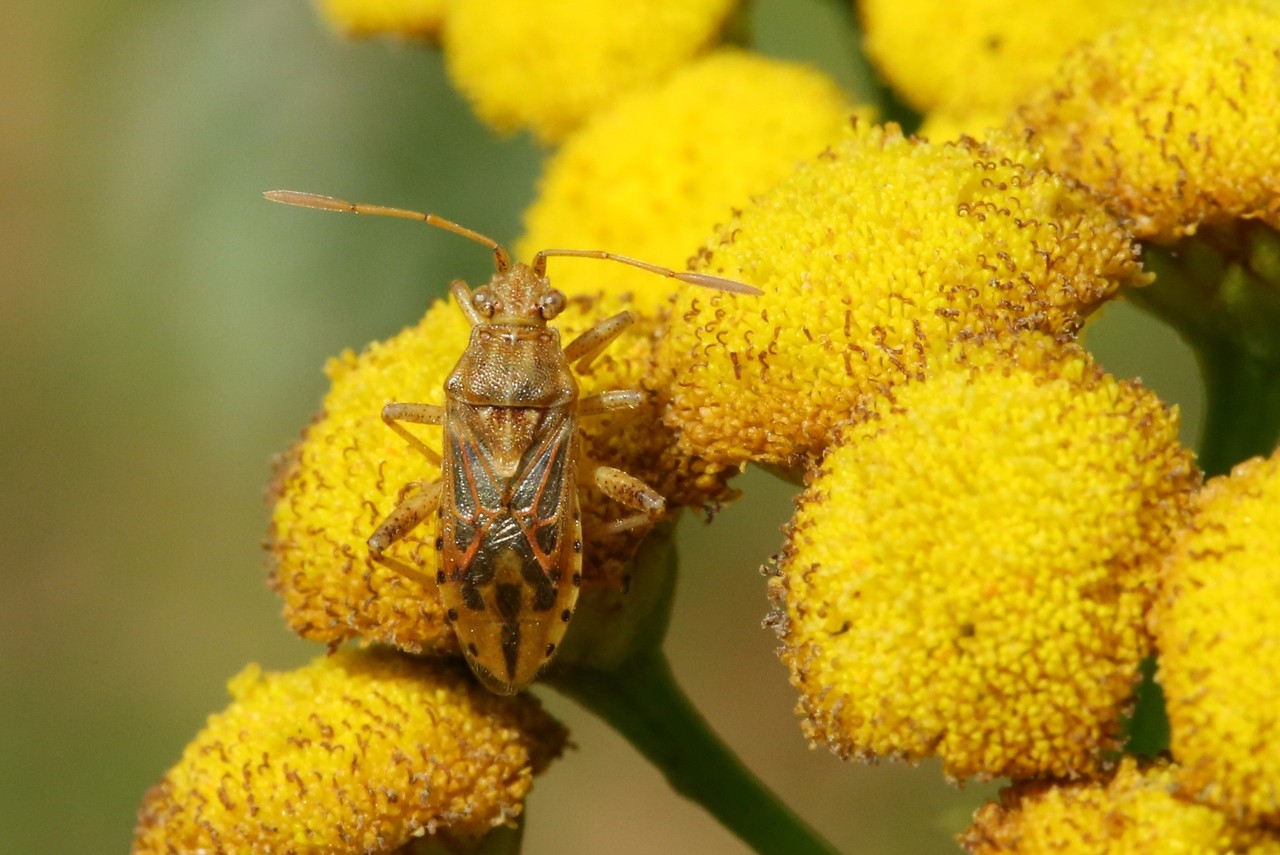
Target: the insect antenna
(327, 203)
(704, 279)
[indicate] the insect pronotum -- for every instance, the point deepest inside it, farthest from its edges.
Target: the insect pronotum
(510, 533)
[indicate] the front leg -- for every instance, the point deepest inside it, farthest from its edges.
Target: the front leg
(407, 516)
(418, 414)
(465, 299)
(588, 346)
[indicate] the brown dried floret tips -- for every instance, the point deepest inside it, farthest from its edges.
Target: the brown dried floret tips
(358, 752)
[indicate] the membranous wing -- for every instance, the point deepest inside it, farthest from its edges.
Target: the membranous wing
(511, 538)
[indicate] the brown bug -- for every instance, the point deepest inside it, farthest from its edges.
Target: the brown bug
(510, 531)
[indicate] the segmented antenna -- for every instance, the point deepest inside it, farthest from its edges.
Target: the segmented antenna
(706, 280)
(327, 203)
(501, 259)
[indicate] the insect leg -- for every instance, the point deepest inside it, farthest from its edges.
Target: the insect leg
(609, 402)
(632, 492)
(418, 414)
(462, 296)
(588, 346)
(404, 519)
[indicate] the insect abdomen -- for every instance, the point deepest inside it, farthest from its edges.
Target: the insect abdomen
(511, 556)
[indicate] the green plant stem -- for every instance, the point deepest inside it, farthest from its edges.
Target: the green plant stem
(1242, 406)
(641, 700)
(1221, 291)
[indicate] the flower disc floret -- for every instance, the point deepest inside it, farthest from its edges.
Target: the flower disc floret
(1218, 631)
(357, 752)
(1172, 117)
(980, 55)
(876, 258)
(420, 19)
(546, 66)
(651, 176)
(350, 470)
(1135, 811)
(969, 572)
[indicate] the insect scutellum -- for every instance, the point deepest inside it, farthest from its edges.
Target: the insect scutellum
(510, 536)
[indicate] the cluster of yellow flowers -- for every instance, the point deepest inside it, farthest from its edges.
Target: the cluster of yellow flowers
(1165, 111)
(993, 533)
(365, 751)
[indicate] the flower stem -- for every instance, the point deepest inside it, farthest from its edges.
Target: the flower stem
(1221, 291)
(642, 701)
(1242, 406)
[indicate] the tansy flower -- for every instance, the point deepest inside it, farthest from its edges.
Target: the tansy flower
(652, 175)
(409, 18)
(968, 574)
(1135, 811)
(1218, 630)
(357, 752)
(547, 66)
(875, 259)
(980, 55)
(1172, 117)
(350, 470)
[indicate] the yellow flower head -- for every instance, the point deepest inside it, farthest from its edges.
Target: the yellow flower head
(356, 752)
(1135, 811)
(1173, 117)
(410, 18)
(350, 469)
(979, 55)
(875, 258)
(546, 66)
(1218, 630)
(968, 574)
(651, 176)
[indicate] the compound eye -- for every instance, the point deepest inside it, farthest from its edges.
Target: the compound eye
(551, 304)
(483, 303)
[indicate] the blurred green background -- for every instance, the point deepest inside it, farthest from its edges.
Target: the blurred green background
(162, 331)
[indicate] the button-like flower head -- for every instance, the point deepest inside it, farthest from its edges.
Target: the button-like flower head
(361, 751)
(876, 259)
(548, 65)
(969, 573)
(1173, 117)
(1218, 630)
(1135, 811)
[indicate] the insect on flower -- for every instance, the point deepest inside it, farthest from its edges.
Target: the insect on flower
(510, 536)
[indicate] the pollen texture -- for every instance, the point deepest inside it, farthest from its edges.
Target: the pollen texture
(651, 176)
(350, 470)
(968, 574)
(547, 66)
(1218, 630)
(342, 479)
(1135, 811)
(1172, 118)
(876, 258)
(409, 18)
(980, 55)
(357, 752)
